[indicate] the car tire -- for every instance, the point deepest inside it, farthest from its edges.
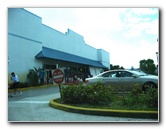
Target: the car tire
(148, 85)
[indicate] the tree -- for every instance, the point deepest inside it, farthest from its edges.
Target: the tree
(132, 68)
(112, 67)
(147, 66)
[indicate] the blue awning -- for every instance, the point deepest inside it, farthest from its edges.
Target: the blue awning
(59, 55)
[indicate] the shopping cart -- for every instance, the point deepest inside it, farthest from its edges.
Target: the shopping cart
(9, 94)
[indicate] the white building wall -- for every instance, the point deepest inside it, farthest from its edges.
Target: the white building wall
(103, 57)
(24, 42)
(27, 35)
(69, 42)
(79, 47)
(24, 23)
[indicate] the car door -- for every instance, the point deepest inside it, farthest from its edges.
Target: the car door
(110, 78)
(127, 80)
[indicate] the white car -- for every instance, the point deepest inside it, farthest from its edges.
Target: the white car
(124, 78)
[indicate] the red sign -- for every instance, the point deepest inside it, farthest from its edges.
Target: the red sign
(58, 76)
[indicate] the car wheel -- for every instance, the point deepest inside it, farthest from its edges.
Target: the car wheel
(148, 85)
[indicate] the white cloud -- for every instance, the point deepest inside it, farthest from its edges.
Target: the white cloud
(98, 19)
(123, 32)
(130, 55)
(139, 22)
(145, 11)
(153, 27)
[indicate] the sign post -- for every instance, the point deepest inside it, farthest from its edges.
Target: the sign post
(58, 77)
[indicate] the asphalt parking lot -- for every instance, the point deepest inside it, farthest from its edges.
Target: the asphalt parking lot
(32, 106)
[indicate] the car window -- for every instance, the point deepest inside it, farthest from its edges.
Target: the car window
(139, 73)
(106, 75)
(109, 74)
(118, 74)
(126, 74)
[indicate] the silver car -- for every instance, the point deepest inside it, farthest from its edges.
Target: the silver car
(125, 78)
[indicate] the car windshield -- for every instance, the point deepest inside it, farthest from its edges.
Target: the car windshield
(139, 73)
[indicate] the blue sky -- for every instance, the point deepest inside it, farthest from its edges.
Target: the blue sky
(128, 34)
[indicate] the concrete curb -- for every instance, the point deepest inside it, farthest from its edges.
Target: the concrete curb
(104, 112)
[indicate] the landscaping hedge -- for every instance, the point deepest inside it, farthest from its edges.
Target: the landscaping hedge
(78, 94)
(106, 96)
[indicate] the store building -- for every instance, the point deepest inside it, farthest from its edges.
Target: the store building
(33, 44)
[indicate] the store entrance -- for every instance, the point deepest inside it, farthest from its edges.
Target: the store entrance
(80, 71)
(71, 71)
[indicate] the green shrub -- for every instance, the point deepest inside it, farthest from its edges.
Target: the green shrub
(138, 98)
(23, 84)
(108, 96)
(96, 95)
(20, 85)
(33, 77)
(152, 98)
